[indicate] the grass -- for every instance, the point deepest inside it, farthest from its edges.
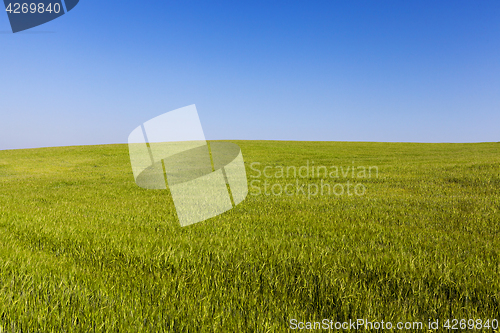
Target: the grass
(83, 249)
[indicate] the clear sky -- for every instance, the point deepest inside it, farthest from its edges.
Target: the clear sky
(412, 71)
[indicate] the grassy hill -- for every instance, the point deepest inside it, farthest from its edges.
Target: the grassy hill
(83, 248)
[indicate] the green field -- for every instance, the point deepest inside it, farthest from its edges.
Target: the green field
(84, 249)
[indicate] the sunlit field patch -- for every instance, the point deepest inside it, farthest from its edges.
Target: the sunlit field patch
(83, 248)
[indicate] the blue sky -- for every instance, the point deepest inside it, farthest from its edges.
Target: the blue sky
(410, 71)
